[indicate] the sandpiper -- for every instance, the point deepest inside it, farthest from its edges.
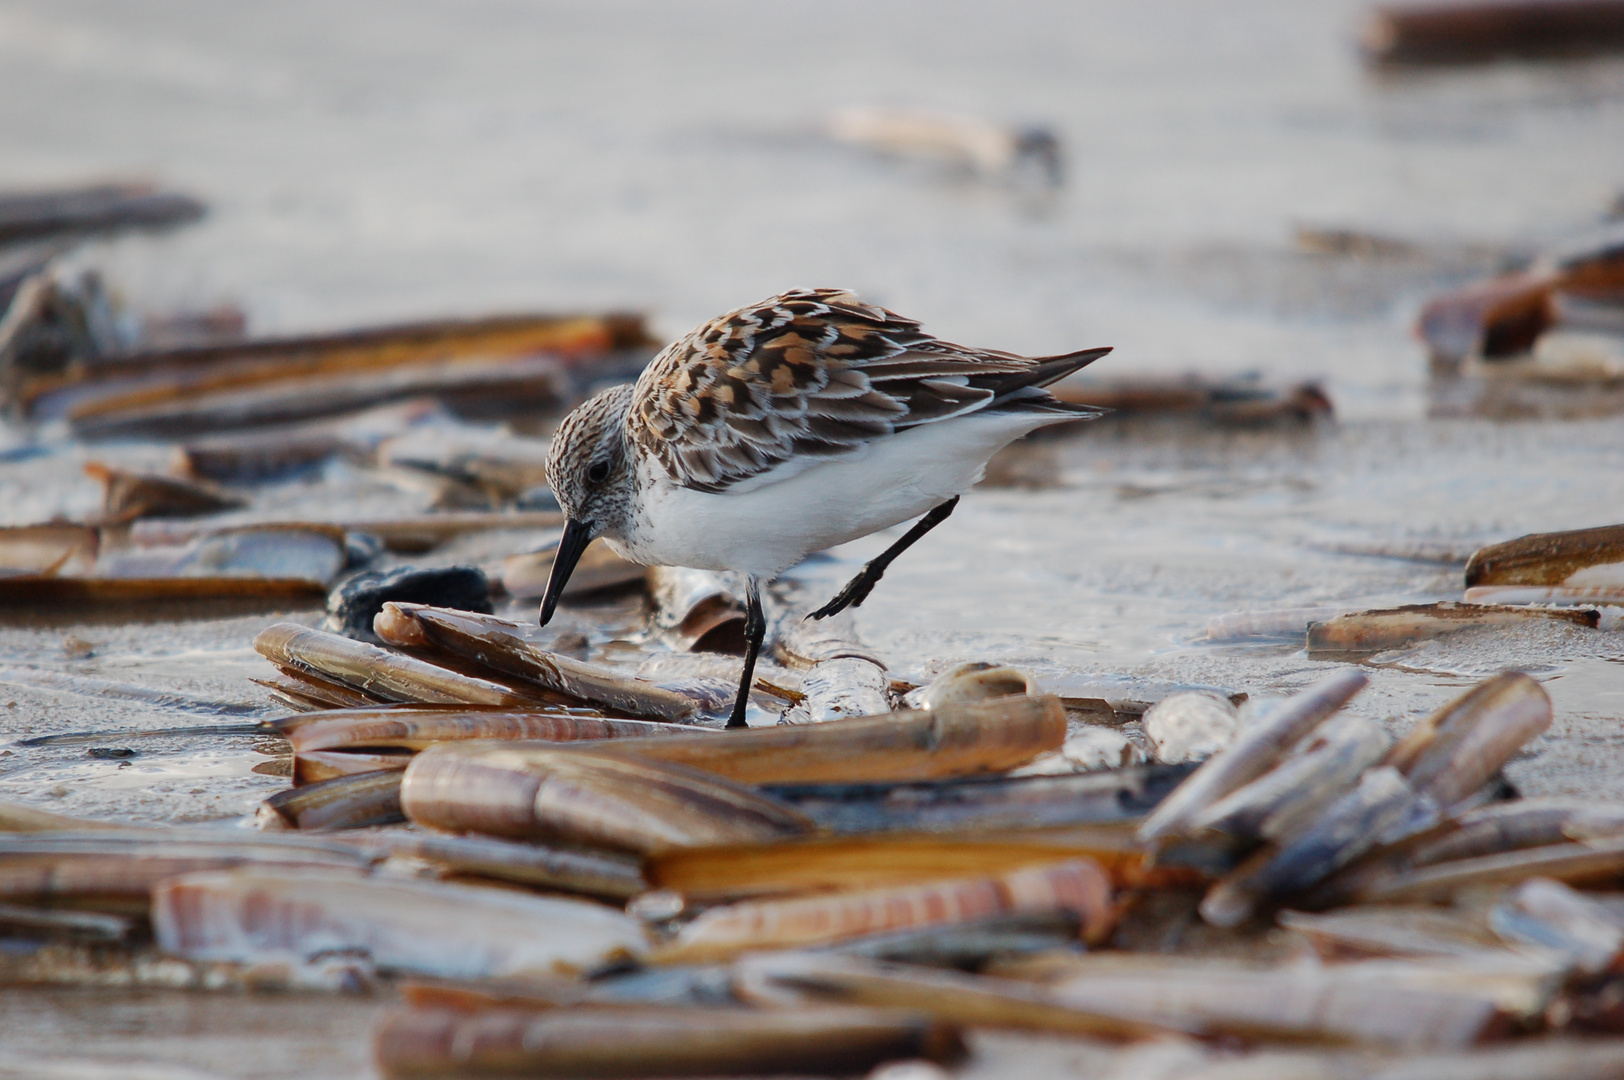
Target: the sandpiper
(787, 427)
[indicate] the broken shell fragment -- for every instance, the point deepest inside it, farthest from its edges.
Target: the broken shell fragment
(530, 790)
(1190, 726)
(1093, 749)
(697, 610)
(651, 1041)
(1077, 885)
(1373, 631)
(840, 689)
(424, 927)
(1550, 915)
(315, 555)
(1252, 754)
(970, 682)
(130, 495)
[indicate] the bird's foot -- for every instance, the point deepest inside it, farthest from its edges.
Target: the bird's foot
(853, 595)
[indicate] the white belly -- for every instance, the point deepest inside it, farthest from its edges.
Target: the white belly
(774, 525)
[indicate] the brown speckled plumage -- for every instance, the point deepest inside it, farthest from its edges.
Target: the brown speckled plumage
(811, 373)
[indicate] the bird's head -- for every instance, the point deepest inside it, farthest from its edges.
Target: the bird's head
(591, 474)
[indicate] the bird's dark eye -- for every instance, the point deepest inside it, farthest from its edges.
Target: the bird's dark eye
(599, 472)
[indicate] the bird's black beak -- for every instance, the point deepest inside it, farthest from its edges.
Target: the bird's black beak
(577, 535)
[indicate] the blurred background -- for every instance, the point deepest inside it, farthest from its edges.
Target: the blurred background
(368, 162)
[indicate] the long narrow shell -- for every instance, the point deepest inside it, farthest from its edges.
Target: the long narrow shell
(989, 736)
(1078, 886)
(1457, 750)
(120, 866)
(536, 791)
(972, 1000)
(1551, 559)
(1372, 631)
(1253, 753)
(654, 1042)
(381, 673)
(1349, 827)
(820, 863)
(499, 645)
(1282, 799)
(580, 870)
(344, 802)
(430, 928)
(419, 728)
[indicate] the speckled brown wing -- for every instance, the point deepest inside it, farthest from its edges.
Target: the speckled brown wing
(808, 373)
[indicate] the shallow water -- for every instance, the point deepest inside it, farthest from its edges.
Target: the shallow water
(369, 161)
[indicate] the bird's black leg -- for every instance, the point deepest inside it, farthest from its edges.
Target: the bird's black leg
(858, 588)
(755, 630)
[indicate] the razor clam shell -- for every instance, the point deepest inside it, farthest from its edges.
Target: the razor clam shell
(129, 495)
(1282, 800)
(417, 728)
(1190, 726)
(1349, 827)
(968, 946)
(1559, 596)
(334, 694)
(840, 689)
(118, 867)
(991, 736)
(817, 863)
(1357, 1002)
(986, 804)
(1589, 863)
(1521, 823)
(1075, 885)
(1253, 753)
(48, 550)
(1373, 631)
(652, 1041)
(268, 551)
(318, 765)
(1551, 559)
(1467, 741)
(530, 790)
(500, 645)
(408, 925)
(1549, 915)
(971, 1000)
(1390, 930)
(580, 870)
(17, 818)
(344, 802)
(51, 593)
(382, 673)
(55, 922)
(969, 682)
